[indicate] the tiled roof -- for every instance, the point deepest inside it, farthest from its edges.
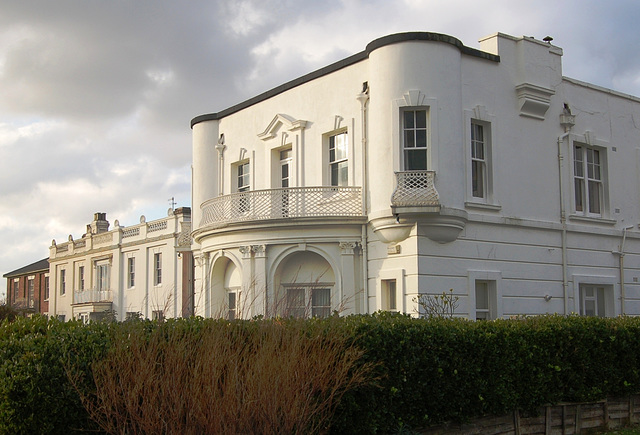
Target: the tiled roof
(38, 266)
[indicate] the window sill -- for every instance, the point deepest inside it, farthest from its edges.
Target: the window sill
(592, 220)
(482, 206)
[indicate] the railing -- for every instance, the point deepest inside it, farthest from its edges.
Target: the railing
(415, 189)
(130, 232)
(157, 226)
(290, 202)
(92, 295)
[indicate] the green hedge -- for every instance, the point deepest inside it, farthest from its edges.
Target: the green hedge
(427, 371)
(437, 370)
(35, 393)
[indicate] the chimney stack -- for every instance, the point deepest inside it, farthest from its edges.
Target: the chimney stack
(100, 223)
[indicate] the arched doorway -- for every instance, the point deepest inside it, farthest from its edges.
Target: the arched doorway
(226, 289)
(305, 286)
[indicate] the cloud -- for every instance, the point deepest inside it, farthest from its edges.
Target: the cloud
(96, 97)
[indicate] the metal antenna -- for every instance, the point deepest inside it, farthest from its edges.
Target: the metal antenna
(172, 200)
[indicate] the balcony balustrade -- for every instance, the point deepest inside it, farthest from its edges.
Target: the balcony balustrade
(285, 203)
(91, 296)
(415, 189)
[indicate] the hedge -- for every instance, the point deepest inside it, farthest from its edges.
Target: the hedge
(438, 370)
(425, 371)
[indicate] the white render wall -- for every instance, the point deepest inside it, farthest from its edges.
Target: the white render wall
(525, 237)
(168, 236)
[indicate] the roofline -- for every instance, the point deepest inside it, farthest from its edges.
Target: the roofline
(38, 266)
(351, 60)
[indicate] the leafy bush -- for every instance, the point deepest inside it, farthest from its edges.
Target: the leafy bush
(437, 370)
(7, 312)
(35, 393)
(359, 374)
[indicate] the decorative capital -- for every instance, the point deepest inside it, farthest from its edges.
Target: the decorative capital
(347, 247)
(259, 250)
(245, 251)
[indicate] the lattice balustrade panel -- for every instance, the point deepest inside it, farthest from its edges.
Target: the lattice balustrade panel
(130, 232)
(157, 226)
(290, 202)
(415, 188)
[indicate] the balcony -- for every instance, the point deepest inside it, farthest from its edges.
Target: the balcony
(415, 201)
(285, 203)
(92, 296)
(415, 189)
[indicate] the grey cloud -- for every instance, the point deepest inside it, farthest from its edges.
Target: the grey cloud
(95, 70)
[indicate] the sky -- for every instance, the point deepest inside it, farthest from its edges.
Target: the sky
(96, 96)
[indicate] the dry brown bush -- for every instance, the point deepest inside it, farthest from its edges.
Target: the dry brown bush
(223, 377)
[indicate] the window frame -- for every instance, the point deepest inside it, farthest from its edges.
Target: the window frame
(611, 295)
(488, 312)
(102, 275)
(31, 290)
(398, 276)
(46, 287)
(481, 117)
(287, 162)
(479, 182)
(63, 282)
(412, 99)
(157, 268)
(493, 281)
(581, 170)
(598, 298)
(16, 290)
(233, 312)
(131, 272)
(81, 278)
(389, 295)
(310, 308)
(240, 174)
(405, 130)
(339, 163)
(587, 140)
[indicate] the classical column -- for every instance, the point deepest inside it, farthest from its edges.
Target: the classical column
(204, 266)
(245, 301)
(347, 294)
(259, 296)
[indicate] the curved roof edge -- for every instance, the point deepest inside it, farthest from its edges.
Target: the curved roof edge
(428, 36)
(373, 45)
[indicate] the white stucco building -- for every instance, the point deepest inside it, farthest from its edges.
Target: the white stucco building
(417, 166)
(140, 270)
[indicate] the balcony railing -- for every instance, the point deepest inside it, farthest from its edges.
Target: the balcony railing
(290, 202)
(92, 295)
(415, 189)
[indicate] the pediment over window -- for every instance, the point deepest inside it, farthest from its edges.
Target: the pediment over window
(281, 121)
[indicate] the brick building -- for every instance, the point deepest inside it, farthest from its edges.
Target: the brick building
(28, 288)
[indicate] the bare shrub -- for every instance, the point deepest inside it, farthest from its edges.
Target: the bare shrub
(443, 305)
(205, 376)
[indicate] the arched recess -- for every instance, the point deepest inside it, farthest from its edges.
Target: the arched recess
(305, 284)
(226, 288)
